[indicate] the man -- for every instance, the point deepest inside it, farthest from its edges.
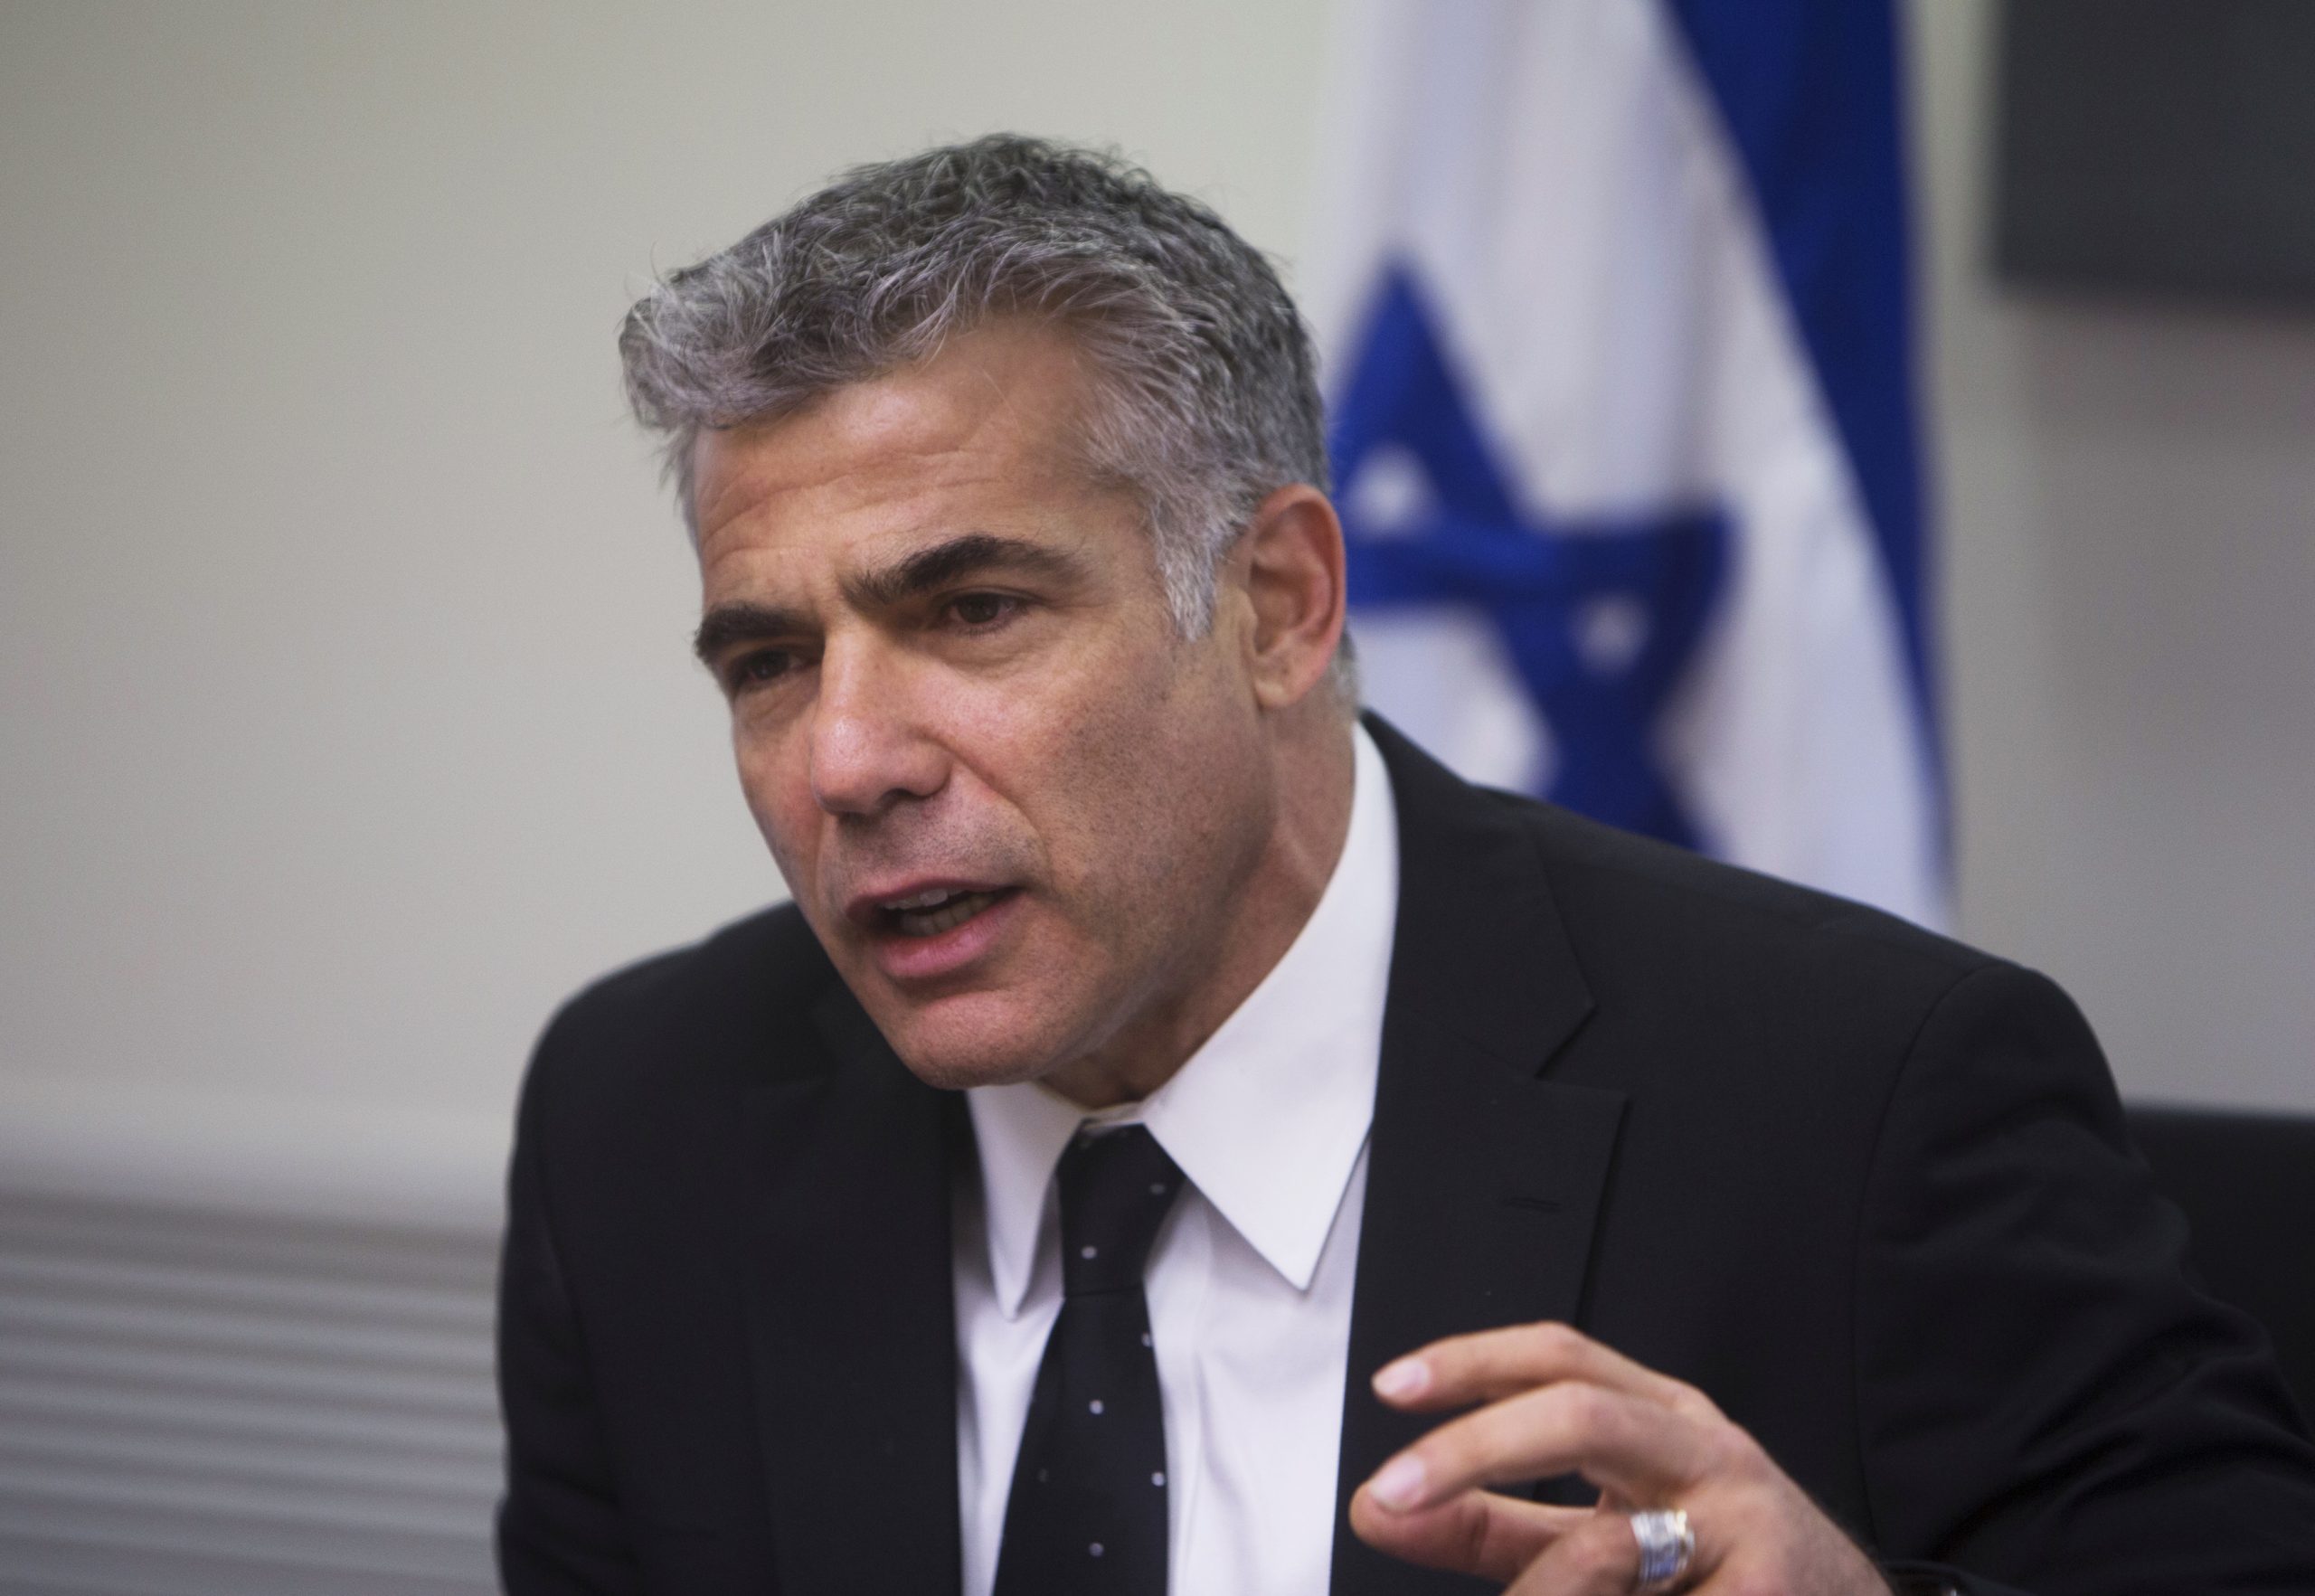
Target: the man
(1169, 1100)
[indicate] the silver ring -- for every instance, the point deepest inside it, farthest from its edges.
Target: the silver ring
(1666, 1546)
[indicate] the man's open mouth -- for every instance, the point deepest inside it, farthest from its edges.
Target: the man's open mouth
(928, 914)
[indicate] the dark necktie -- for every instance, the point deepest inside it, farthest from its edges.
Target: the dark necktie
(1087, 1512)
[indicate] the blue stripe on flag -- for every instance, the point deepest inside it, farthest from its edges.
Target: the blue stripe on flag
(1809, 91)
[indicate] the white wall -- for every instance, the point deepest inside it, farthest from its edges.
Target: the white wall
(2129, 504)
(346, 721)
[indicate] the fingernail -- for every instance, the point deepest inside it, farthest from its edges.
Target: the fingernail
(1400, 1483)
(1403, 1379)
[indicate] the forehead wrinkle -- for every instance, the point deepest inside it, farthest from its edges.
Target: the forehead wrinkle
(851, 473)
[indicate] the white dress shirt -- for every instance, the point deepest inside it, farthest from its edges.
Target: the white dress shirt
(1249, 1280)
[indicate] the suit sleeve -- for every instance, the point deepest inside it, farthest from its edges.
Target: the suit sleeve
(2045, 1400)
(560, 1528)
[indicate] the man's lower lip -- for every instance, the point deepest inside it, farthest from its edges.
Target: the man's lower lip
(904, 957)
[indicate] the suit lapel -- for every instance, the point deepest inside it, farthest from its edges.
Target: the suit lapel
(851, 1315)
(1483, 1181)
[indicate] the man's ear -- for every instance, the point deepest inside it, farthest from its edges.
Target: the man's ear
(1291, 561)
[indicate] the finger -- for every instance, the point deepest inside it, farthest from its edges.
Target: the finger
(1639, 1448)
(1477, 1533)
(1599, 1557)
(1494, 1364)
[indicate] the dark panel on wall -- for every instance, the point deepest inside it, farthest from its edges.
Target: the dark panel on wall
(2159, 145)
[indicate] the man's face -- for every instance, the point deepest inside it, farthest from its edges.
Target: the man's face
(1010, 796)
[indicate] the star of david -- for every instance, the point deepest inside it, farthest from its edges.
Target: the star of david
(1600, 618)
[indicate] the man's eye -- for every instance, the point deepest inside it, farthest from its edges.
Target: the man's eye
(753, 670)
(983, 609)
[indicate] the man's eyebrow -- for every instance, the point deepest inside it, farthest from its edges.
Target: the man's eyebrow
(944, 562)
(729, 625)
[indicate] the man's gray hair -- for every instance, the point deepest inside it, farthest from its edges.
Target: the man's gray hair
(1206, 398)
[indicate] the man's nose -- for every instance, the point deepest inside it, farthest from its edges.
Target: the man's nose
(870, 749)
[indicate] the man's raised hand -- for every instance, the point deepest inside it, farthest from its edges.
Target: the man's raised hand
(1552, 1400)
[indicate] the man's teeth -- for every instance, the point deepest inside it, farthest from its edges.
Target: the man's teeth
(928, 914)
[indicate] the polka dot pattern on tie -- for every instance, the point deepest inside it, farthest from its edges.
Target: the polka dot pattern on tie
(1087, 1513)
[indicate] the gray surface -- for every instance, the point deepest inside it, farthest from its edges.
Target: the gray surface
(198, 1404)
(2155, 144)
(2126, 501)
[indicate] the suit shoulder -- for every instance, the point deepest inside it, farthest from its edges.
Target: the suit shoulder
(1666, 921)
(723, 1005)
(1630, 901)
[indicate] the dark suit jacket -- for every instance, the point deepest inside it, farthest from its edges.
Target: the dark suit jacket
(1868, 1188)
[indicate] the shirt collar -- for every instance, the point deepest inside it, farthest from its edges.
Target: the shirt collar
(1268, 1118)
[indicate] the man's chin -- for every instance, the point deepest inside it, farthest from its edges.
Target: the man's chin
(951, 1072)
(960, 1044)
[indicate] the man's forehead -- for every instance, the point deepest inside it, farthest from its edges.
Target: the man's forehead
(793, 551)
(989, 416)
(808, 465)
(1010, 376)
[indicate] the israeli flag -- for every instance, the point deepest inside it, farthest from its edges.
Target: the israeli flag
(1612, 294)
